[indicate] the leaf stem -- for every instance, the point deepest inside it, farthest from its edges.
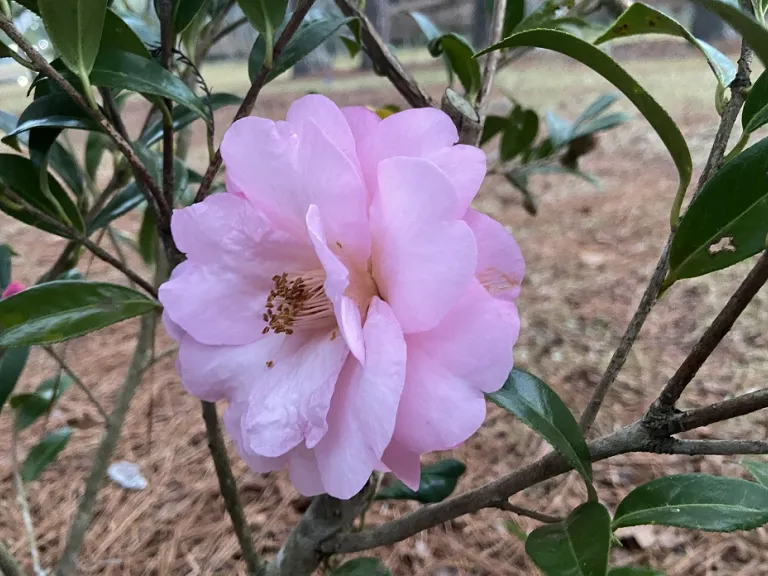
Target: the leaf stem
(88, 90)
(21, 498)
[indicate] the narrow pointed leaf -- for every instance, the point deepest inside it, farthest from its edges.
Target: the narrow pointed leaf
(362, 567)
(519, 134)
(185, 11)
(696, 501)
(560, 131)
(601, 63)
(755, 112)
(62, 310)
(20, 175)
(121, 203)
(577, 546)
(597, 107)
(438, 481)
(513, 15)
(118, 35)
(75, 28)
(29, 407)
(12, 363)
(759, 470)
(44, 452)
(600, 124)
(95, 146)
(537, 405)
(750, 29)
(728, 221)
(55, 110)
(264, 15)
(641, 19)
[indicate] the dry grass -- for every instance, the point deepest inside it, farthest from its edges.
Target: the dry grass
(589, 254)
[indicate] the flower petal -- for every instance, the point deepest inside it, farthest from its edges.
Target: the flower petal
(500, 264)
(362, 122)
(232, 419)
(403, 463)
(321, 111)
(364, 406)
(303, 472)
(423, 259)
(465, 166)
(291, 393)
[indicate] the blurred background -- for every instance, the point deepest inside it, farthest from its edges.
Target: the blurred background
(589, 249)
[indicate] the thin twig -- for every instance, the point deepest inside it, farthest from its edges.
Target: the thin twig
(79, 237)
(717, 447)
(712, 336)
(8, 564)
(42, 65)
(384, 61)
(253, 92)
(492, 60)
(739, 87)
(228, 489)
(76, 379)
(21, 498)
(68, 562)
(725, 410)
(520, 511)
(165, 14)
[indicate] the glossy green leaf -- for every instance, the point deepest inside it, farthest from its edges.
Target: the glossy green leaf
(633, 571)
(118, 35)
(519, 134)
(460, 56)
(183, 117)
(121, 203)
(755, 112)
(513, 15)
(44, 452)
(750, 29)
(543, 16)
(492, 126)
(759, 470)
(55, 110)
(185, 11)
(438, 481)
(12, 363)
(362, 567)
(5, 52)
(695, 501)
(95, 146)
(29, 407)
(537, 405)
(577, 546)
(264, 15)
(128, 71)
(728, 221)
(148, 240)
(20, 175)
(601, 63)
(75, 28)
(62, 310)
(5, 265)
(311, 34)
(641, 19)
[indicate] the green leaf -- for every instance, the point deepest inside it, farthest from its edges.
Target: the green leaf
(759, 470)
(185, 11)
(55, 110)
(183, 117)
(728, 221)
(633, 571)
(519, 134)
(265, 16)
(750, 29)
(311, 34)
(695, 501)
(148, 237)
(438, 481)
(5, 52)
(459, 54)
(5, 265)
(537, 406)
(75, 28)
(29, 407)
(515, 530)
(493, 125)
(121, 203)
(601, 63)
(128, 71)
(61, 310)
(577, 546)
(513, 15)
(20, 175)
(95, 146)
(642, 19)
(755, 112)
(597, 107)
(430, 31)
(44, 452)
(600, 124)
(118, 35)
(362, 567)
(12, 362)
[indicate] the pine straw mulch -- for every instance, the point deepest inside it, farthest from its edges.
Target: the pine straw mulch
(589, 254)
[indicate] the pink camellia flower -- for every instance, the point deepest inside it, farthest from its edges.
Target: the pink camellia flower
(342, 296)
(12, 288)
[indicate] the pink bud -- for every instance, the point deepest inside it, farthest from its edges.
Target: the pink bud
(12, 288)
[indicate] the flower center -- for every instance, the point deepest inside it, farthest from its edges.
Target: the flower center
(297, 302)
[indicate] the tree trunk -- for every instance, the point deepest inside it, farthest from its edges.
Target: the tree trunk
(706, 25)
(378, 13)
(480, 24)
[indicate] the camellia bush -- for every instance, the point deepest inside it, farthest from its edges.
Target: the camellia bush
(329, 285)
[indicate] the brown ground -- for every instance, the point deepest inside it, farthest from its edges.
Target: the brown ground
(589, 253)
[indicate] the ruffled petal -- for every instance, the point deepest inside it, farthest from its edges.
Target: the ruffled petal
(364, 406)
(362, 122)
(303, 472)
(500, 264)
(465, 167)
(423, 259)
(403, 463)
(322, 112)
